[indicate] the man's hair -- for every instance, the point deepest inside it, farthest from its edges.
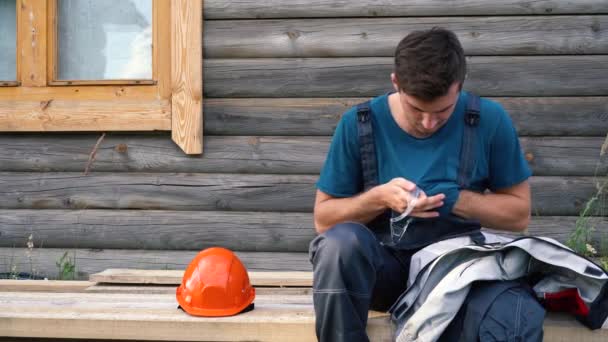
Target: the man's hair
(428, 62)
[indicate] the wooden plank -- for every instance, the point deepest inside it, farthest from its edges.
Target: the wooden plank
(361, 37)
(548, 156)
(67, 115)
(546, 116)
(55, 286)
(106, 93)
(251, 9)
(89, 261)
(162, 49)
(562, 196)
(32, 42)
(328, 77)
(155, 317)
(186, 75)
(130, 82)
(52, 60)
(191, 230)
(174, 277)
(170, 289)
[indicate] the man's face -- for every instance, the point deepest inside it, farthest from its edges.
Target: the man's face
(424, 118)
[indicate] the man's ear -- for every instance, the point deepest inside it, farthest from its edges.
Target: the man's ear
(394, 82)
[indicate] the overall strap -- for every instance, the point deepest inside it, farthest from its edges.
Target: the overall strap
(367, 148)
(468, 150)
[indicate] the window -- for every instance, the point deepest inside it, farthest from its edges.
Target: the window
(8, 45)
(103, 65)
(103, 40)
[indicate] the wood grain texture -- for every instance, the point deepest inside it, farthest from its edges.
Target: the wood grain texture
(547, 116)
(162, 47)
(155, 317)
(32, 42)
(360, 37)
(88, 261)
(170, 289)
(191, 230)
(53, 286)
(87, 115)
(186, 75)
(562, 196)
(251, 9)
(369, 76)
(157, 191)
(548, 156)
(154, 229)
(107, 93)
(174, 277)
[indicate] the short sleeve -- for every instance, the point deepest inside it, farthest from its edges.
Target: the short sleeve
(341, 172)
(508, 166)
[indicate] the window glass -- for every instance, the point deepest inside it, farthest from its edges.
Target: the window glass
(104, 39)
(8, 40)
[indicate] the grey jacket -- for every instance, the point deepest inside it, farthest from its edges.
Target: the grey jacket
(442, 273)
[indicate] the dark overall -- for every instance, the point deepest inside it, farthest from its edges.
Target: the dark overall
(358, 268)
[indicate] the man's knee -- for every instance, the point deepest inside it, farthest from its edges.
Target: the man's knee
(345, 242)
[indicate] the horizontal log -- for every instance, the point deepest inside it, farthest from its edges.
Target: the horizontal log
(560, 196)
(548, 156)
(43, 261)
(157, 191)
(565, 156)
(152, 229)
(192, 230)
(369, 76)
(357, 37)
(546, 116)
(250, 9)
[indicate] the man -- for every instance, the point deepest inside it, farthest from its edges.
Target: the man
(418, 134)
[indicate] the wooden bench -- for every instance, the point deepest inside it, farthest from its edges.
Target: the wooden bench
(141, 305)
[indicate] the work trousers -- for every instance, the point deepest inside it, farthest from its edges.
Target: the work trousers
(353, 273)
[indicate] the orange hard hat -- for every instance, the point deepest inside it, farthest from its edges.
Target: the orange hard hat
(215, 284)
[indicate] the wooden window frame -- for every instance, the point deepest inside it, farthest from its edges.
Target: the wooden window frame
(172, 102)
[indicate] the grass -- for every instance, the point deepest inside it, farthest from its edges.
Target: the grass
(67, 267)
(581, 239)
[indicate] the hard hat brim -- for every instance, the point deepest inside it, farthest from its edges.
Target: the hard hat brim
(216, 312)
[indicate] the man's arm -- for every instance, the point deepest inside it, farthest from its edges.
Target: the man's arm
(365, 206)
(505, 209)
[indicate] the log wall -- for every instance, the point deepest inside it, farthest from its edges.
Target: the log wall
(277, 77)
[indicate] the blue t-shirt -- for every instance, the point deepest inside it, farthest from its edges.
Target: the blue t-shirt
(433, 162)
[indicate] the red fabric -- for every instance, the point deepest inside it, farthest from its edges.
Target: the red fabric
(566, 301)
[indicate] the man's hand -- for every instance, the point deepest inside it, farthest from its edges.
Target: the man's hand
(367, 205)
(396, 193)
